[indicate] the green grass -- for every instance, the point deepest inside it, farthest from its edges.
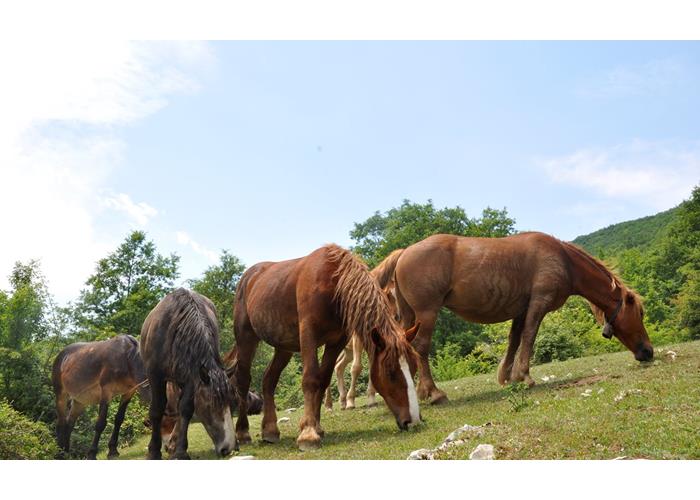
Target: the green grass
(554, 422)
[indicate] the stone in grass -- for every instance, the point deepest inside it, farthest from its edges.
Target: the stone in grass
(482, 452)
(422, 454)
(454, 435)
(290, 410)
(283, 420)
(242, 457)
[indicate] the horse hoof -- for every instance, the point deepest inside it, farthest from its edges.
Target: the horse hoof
(243, 437)
(373, 404)
(439, 398)
(92, 456)
(153, 456)
(309, 439)
(181, 456)
(350, 406)
(271, 437)
(112, 455)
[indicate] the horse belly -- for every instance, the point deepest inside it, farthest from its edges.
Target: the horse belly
(491, 300)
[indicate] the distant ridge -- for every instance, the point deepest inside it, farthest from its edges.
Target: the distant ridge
(638, 233)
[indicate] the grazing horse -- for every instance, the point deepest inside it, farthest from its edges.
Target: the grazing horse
(88, 373)
(519, 278)
(170, 428)
(301, 304)
(353, 352)
(180, 344)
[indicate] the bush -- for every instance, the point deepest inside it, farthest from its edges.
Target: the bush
(22, 439)
(449, 364)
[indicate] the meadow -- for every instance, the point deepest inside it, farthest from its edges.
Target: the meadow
(598, 407)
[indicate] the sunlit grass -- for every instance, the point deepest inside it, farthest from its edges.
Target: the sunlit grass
(557, 422)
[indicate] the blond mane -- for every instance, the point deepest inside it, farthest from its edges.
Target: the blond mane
(362, 304)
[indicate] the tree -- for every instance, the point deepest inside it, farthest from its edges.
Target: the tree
(219, 284)
(409, 223)
(24, 325)
(126, 285)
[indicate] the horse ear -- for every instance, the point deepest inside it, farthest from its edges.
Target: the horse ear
(411, 332)
(377, 339)
(204, 375)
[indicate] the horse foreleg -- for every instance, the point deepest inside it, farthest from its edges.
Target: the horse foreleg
(185, 410)
(158, 401)
(521, 367)
(426, 385)
(118, 420)
(99, 427)
(270, 430)
(328, 362)
(506, 364)
(355, 370)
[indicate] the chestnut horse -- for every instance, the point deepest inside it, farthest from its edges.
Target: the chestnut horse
(88, 373)
(180, 344)
(302, 304)
(353, 353)
(519, 278)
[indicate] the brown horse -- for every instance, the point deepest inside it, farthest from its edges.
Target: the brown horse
(180, 344)
(519, 278)
(88, 373)
(302, 304)
(353, 353)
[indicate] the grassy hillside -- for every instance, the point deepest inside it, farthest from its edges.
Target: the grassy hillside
(630, 410)
(638, 233)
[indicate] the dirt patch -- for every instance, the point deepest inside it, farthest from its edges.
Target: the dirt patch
(584, 381)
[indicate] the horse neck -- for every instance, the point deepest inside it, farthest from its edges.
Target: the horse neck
(592, 282)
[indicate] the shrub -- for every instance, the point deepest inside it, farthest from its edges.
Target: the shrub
(23, 439)
(449, 364)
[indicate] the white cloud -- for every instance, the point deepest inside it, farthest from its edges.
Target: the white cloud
(185, 239)
(656, 174)
(637, 79)
(140, 213)
(62, 105)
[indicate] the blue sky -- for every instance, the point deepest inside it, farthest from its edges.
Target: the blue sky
(273, 149)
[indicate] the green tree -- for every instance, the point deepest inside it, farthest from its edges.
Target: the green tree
(409, 223)
(126, 285)
(24, 327)
(219, 284)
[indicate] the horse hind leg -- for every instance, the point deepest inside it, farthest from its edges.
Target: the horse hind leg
(62, 432)
(246, 344)
(270, 430)
(355, 370)
(340, 366)
(506, 364)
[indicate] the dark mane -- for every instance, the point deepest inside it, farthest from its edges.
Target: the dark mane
(195, 342)
(362, 304)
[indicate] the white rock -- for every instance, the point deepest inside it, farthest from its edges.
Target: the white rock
(290, 410)
(283, 420)
(482, 452)
(545, 379)
(422, 454)
(454, 435)
(242, 457)
(672, 354)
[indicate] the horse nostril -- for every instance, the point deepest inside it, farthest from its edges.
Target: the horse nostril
(224, 451)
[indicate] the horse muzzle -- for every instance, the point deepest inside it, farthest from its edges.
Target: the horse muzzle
(645, 353)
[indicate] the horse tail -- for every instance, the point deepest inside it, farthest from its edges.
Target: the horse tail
(56, 372)
(406, 314)
(384, 271)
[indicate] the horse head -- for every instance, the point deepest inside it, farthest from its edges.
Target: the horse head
(392, 369)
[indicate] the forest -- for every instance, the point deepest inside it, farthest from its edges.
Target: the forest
(658, 256)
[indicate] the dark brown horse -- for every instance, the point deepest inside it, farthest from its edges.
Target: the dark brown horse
(88, 373)
(180, 344)
(519, 278)
(302, 304)
(170, 428)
